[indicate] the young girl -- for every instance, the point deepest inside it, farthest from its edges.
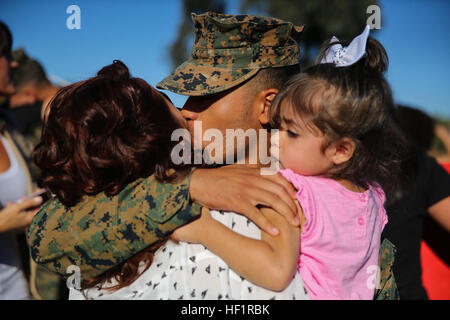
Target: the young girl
(339, 149)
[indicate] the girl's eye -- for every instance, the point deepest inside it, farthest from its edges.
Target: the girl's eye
(292, 134)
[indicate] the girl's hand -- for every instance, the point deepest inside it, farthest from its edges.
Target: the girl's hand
(192, 232)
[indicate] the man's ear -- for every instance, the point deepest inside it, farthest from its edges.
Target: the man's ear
(266, 98)
(342, 150)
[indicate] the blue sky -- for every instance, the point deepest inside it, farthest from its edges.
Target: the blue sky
(414, 32)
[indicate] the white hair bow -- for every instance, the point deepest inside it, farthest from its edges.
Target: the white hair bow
(346, 56)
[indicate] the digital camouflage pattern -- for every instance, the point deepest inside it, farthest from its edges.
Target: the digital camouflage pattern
(387, 288)
(47, 285)
(229, 49)
(100, 231)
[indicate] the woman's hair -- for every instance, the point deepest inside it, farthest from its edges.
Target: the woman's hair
(101, 134)
(354, 102)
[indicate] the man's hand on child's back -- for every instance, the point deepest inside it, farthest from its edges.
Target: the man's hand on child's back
(243, 189)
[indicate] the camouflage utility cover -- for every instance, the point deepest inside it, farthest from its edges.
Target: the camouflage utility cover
(100, 232)
(230, 49)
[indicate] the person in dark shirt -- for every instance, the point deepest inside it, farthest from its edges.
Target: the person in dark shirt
(428, 194)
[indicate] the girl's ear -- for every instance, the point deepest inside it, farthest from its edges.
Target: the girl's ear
(267, 97)
(342, 150)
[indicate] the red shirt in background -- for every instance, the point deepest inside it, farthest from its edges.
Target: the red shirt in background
(446, 166)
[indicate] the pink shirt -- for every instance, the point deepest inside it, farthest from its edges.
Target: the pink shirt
(340, 241)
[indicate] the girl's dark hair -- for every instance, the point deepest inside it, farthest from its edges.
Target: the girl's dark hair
(354, 102)
(101, 134)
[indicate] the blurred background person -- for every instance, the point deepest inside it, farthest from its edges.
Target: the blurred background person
(16, 184)
(433, 136)
(33, 91)
(434, 252)
(427, 195)
(442, 133)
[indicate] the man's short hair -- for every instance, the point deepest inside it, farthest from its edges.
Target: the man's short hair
(273, 78)
(5, 40)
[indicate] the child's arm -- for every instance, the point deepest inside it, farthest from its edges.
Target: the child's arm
(270, 262)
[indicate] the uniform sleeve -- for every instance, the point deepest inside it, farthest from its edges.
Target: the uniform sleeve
(387, 288)
(101, 232)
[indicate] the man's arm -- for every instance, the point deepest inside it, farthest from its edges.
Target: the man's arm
(100, 232)
(441, 213)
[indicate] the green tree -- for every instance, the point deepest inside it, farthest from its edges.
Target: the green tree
(322, 19)
(179, 50)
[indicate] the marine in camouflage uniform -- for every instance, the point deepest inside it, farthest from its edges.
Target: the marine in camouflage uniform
(102, 231)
